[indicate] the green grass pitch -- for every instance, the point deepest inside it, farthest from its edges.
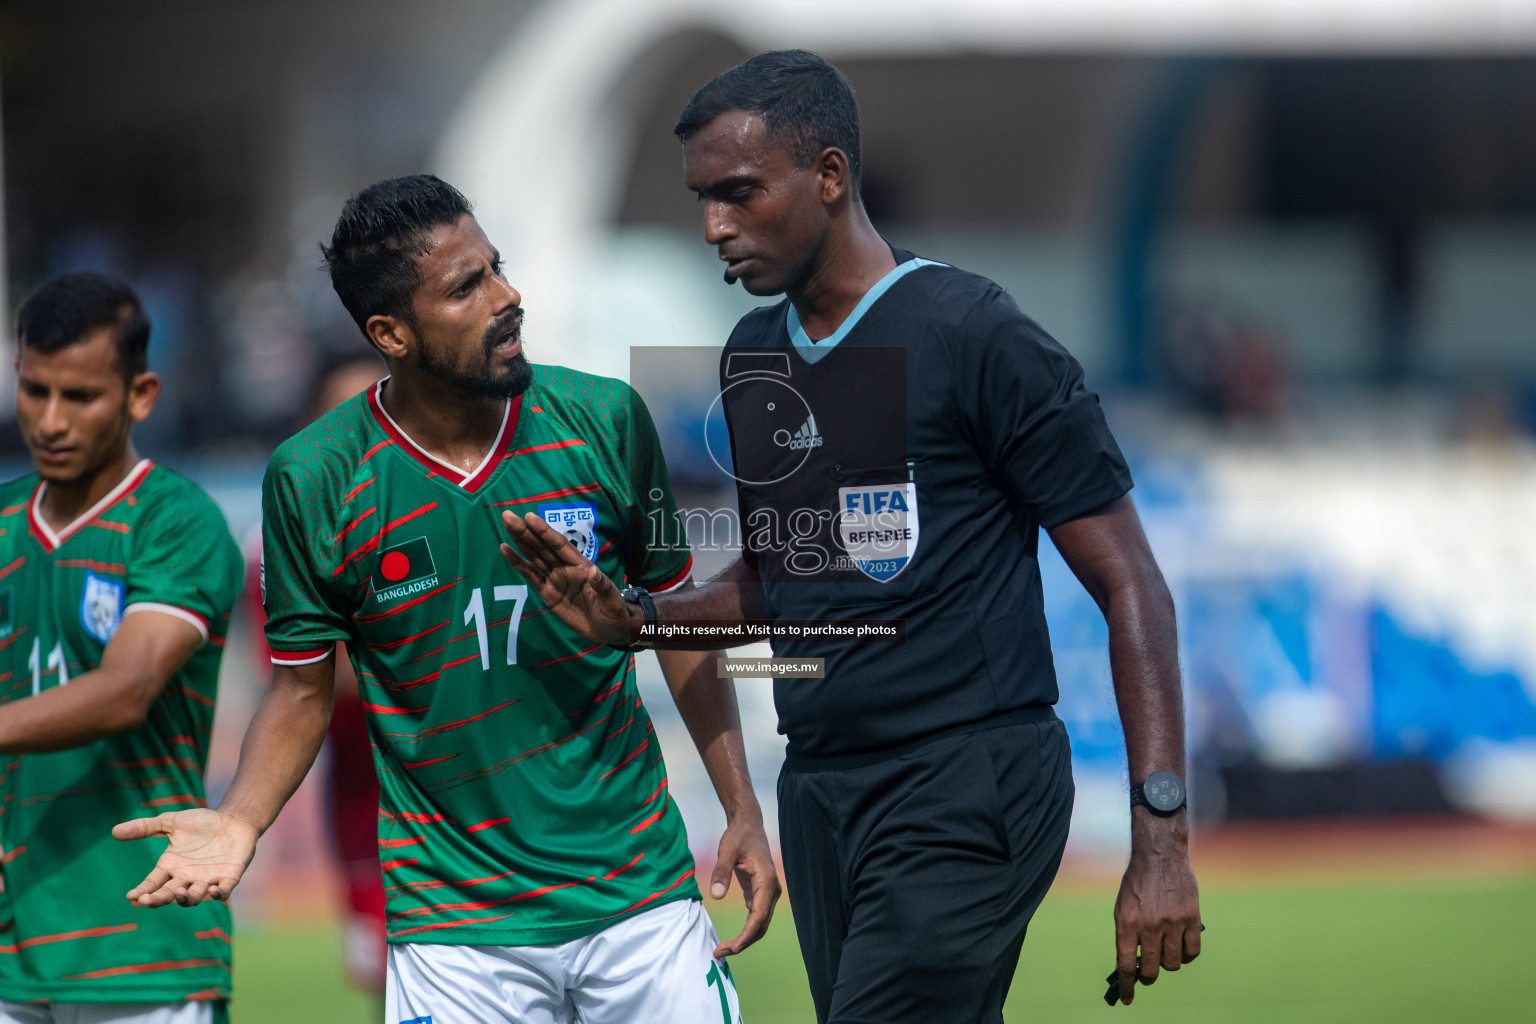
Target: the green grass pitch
(1394, 951)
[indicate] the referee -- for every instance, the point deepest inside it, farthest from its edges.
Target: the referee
(929, 430)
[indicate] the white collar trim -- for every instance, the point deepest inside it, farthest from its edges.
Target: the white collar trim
(124, 485)
(464, 477)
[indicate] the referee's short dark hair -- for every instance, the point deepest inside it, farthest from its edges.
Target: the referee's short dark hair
(68, 307)
(378, 237)
(805, 103)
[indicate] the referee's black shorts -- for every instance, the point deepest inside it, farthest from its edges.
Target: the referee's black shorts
(912, 879)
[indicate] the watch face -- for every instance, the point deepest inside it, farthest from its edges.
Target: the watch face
(1164, 791)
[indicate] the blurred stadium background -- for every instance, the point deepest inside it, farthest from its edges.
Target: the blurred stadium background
(1293, 244)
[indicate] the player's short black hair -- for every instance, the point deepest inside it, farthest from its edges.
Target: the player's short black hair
(806, 103)
(68, 307)
(378, 237)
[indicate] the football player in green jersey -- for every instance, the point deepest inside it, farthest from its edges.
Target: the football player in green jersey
(535, 866)
(116, 581)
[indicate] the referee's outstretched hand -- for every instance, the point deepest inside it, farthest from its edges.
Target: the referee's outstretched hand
(571, 586)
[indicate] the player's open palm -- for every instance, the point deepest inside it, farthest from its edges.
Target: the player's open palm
(570, 585)
(208, 852)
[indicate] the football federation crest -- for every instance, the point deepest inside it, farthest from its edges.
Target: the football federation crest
(101, 606)
(404, 569)
(578, 522)
(878, 525)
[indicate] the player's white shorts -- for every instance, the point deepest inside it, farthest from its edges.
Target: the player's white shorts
(106, 1013)
(654, 968)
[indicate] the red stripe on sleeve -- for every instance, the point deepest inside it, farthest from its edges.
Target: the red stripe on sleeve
(301, 657)
(671, 581)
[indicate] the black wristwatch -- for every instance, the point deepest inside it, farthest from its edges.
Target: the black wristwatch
(1162, 793)
(642, 597)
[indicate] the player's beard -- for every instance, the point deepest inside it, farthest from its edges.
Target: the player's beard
(483, 379)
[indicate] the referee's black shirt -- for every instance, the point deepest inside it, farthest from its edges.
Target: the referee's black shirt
(941, 380)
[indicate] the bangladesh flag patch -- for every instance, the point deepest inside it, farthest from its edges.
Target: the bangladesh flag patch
(404, 569)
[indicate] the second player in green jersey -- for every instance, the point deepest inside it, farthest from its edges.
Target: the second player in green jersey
(117, 577)
(154, 543)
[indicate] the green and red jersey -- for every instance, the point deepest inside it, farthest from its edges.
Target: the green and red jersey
(523, 797)
(155, 543)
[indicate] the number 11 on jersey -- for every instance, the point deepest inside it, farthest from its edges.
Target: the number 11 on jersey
(57, 660)
(475, 613)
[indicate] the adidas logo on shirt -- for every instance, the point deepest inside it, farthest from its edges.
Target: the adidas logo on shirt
(806, 436)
